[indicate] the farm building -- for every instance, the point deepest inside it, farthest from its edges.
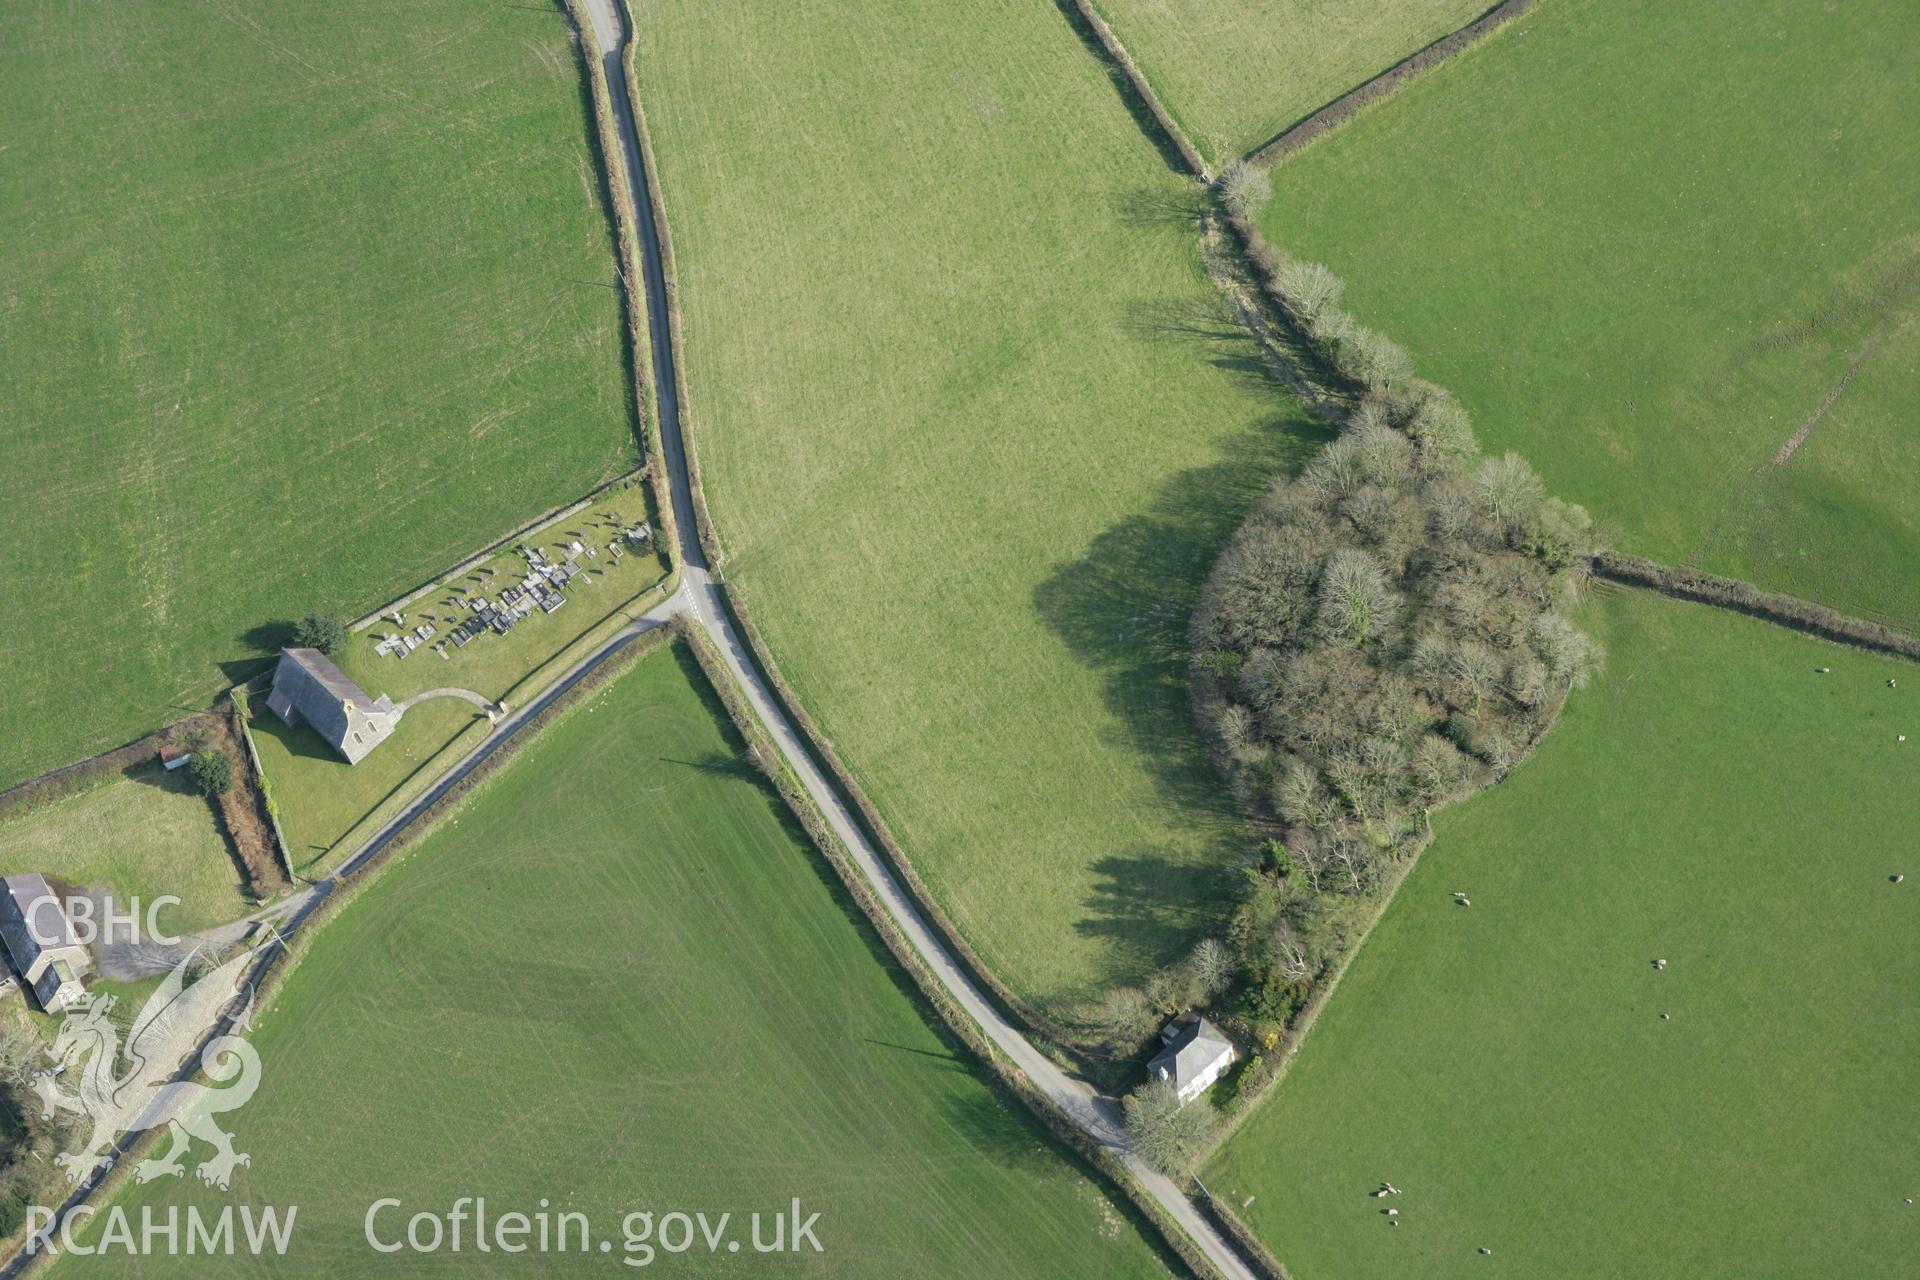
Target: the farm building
(309, 689)
(42, 945)
(1193, 1054)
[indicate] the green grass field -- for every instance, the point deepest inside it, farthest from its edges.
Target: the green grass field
(1711, 801)
(143, 835)
(974, 428)
(1600, 228)
(619, 979)
(328, 806)
(496, 666)
(1233, 73)
(299, 306)
(321, 799)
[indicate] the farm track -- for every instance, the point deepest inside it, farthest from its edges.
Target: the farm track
(700, 602)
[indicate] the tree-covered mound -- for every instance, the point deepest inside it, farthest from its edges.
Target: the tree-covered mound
(1387, 632)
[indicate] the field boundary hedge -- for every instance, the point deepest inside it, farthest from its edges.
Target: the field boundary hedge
(1099, 1162)
(1684, 583)
(84, 775)
(495, 547)
(339, 889)
(632, 275)
(247, 796)
(242, 713)
(1243, 1239)
(708, 536)
(1050, 1035)
(1342, 108)
(1121, 61)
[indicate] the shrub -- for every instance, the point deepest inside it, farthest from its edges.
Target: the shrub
(1310, 291)
(1244, 188)
(1459, 730)
(328, 635)
(1273, 1000)
(211, 771)
(1162, 1131)
(1370, 358)
(1123, 1018)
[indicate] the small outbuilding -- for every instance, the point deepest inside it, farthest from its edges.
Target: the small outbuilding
(1193, 1054)
(40, 941)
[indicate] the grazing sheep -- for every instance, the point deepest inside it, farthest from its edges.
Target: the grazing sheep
(1484, 1249)
(1823, 670)
(1665, 1016)
(1659, 964)
(1897, 878)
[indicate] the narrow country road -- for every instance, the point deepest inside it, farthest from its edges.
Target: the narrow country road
(700, 599)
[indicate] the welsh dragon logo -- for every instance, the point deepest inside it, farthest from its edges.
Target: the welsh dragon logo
(143, 1095)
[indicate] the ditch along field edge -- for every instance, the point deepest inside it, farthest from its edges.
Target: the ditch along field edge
(1091, 27)
(643, 406)
(1050, 1036)
(1603, 564)
(1085, 18)
(449, 753)
(1051, 1042)
(1736, 595)
(243, 815)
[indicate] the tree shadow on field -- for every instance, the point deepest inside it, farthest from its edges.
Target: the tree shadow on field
(1222, 340)
(1150, 908)
(1123, 606)
(721, 765)
(261, 644)
(1161, 206)
(997, 1127)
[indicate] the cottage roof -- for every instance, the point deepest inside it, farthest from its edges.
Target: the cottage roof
(1191, 1047)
